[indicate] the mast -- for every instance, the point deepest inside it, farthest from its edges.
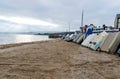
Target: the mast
(82, 18)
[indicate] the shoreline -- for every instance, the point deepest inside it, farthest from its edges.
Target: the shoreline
(56, 59)
(4, 46)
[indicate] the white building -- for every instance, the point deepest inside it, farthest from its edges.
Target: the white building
(117, 21)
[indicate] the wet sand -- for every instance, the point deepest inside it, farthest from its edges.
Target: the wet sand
(56, 59)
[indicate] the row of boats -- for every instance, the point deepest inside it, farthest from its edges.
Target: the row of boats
(99, 41)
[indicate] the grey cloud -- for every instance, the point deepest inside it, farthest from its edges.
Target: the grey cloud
(62, 12)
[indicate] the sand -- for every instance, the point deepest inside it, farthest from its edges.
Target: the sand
(56, 59)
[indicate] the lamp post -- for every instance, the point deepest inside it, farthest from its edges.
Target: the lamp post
(71, 23)
(69, 26)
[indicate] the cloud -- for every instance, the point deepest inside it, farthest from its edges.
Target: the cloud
(27, 21)
(58, 12)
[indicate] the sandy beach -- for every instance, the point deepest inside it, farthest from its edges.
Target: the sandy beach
(56, 59)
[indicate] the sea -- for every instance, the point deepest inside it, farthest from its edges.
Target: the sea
(21, 38)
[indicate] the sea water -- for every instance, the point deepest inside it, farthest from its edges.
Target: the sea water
(21, 38)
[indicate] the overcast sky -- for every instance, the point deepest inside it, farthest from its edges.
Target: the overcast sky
(55, 15)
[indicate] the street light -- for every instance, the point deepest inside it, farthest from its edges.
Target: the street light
(72, 23)
(69, 26)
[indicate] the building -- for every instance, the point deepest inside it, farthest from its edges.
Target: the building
(117, 21)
